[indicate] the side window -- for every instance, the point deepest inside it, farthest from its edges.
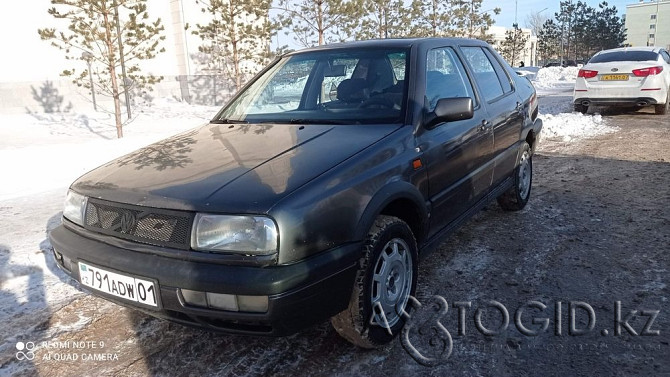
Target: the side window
(445, 77)
(665, 56)
(500, 71)
(484, 72)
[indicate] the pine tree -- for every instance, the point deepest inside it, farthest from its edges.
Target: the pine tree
(382, 19)
(608, 30)
(548, 40)
(236, 40)
(513, 45)
(436, 18)
(566, 19)
(49, 98)
(475, 21)
(92, 34)
(315, 22)
(582, 30)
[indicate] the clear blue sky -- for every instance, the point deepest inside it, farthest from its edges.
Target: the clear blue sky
(525, 7)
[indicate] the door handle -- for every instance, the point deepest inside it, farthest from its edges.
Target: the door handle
(519, 106)
(485, 124)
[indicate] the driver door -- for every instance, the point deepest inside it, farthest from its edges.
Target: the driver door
(456, 154)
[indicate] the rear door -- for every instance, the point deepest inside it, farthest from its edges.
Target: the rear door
(455, 153)
(504, 107)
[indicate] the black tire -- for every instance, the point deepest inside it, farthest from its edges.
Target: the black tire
(663, 108)
(516, 197)
(358, 323)
(581, 108)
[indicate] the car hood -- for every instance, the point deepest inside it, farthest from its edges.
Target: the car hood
(240, 168)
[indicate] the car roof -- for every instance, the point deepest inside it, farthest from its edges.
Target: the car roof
(392, 43)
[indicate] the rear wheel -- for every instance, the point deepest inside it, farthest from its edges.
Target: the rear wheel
(517, 196)
(385, 280)
(663, 108)
(581, 108)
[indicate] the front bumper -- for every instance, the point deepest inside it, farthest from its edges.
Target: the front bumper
(300, 294)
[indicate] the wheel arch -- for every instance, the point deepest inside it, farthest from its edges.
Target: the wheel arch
(531, 139)
(530, 134)
(399, 199)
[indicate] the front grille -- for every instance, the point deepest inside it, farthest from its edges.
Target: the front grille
(147, 225)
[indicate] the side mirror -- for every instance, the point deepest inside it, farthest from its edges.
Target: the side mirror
(450, 110)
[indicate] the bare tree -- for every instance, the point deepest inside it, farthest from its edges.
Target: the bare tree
(534, 22)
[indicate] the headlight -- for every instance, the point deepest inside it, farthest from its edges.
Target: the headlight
(253, 235)
(75, 207)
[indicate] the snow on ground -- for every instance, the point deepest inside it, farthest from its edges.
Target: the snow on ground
(573, 126)
(554, 86)
(51, 150)
(41, 154)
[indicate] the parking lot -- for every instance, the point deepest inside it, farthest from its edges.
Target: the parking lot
(595, 234)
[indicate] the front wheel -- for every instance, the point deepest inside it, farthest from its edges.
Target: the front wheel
(384, 282)
(517, 196)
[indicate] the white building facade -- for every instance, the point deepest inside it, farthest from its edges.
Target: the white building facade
(529, 53)
(648, 23)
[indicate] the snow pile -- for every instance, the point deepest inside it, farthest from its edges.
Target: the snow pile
(554, 86)
(556, 74)
(551, 79)
(569, 126)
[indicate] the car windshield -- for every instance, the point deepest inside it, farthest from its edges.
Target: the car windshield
(353, 86)
(624, 56)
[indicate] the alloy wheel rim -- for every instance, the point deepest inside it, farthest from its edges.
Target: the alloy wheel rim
(524, 175)
(391, 282)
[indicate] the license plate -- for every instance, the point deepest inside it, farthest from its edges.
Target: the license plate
(123, 286)
(614, 78)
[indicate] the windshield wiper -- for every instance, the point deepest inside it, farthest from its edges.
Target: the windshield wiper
(228, 121)
(320, 121)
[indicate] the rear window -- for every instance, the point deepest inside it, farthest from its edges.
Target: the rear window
(624, 56)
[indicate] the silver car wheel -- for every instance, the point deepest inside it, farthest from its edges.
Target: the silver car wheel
(525, 174)
(391, 282)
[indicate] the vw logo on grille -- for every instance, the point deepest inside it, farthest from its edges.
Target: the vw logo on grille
(128, 222)
(615, 69)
